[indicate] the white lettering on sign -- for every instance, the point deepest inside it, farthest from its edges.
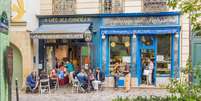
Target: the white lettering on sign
(136, 21)
(66, 20)
(155, 5)
(57, 36)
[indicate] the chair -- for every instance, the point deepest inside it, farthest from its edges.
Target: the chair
(44, 83)
(44, 86)
(101, 87)
(76, 85)
(54, 83)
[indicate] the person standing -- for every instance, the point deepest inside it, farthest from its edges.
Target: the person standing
(150, 67)
(127, 78)
(116, 71)
(71, 70)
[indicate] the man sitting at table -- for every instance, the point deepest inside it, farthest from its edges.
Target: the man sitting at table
(100, 77)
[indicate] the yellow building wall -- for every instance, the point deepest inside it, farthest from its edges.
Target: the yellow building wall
(21, 39)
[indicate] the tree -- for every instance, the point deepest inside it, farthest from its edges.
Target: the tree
(192, 7)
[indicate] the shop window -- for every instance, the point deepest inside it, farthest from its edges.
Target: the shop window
(63, 7)
(112, 6)
(164, 55)
(119, 48)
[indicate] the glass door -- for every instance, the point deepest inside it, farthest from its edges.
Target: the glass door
(147, 56)
(146, 62)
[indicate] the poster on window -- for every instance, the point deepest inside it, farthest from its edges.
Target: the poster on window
(126, 59)
(155, 5)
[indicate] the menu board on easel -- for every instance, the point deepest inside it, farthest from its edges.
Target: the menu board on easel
(155, 5)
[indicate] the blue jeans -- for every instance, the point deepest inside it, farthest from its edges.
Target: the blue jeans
(116, 79)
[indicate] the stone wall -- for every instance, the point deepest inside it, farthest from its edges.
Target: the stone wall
(21, 39)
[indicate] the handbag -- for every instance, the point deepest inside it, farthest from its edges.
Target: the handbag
(146, 72)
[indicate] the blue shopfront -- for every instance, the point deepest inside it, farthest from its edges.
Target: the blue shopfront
(133, 38)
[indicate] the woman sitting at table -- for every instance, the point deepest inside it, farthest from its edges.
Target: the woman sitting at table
(62, 74)
(91, 78)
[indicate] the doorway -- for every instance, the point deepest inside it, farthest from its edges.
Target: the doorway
(146, 54)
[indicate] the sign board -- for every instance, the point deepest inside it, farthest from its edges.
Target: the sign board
(160, 58)
(155, 6)
(57, 36)
(40, 66)
(141, 21)
(65, 20)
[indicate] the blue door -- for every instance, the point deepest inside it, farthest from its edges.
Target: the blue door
(146, 50)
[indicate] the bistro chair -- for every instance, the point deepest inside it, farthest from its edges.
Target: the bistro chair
(54, 83)
(44, 83)
(76, 85)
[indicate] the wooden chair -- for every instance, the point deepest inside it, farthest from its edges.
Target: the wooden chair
(44, 86)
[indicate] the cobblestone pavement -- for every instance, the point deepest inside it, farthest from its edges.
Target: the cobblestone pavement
(65, 94)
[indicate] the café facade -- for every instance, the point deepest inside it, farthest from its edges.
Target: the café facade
(99, 40)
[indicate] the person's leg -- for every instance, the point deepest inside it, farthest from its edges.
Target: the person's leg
(127, 82)
(115, 81)
(150, 79)
(70, 77)
(147, 79)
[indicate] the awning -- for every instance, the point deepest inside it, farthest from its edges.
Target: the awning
(61, 31)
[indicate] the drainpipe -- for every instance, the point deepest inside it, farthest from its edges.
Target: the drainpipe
(190, 75)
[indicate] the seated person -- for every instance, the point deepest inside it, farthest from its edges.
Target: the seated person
(82, 77)
(91, 78)
(62, 75)
(53, 73)
(53, 77)
(99, 78)
(32, 82)
(99, 75)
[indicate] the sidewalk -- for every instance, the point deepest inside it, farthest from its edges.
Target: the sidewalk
(65, 94)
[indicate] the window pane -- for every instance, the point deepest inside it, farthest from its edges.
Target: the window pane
(119, 51)
(62, 7)
(112, 6)
(163, 54)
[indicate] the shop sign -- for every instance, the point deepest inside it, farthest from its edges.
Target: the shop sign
(141, 21)
(65, 20)
(57, 36)
(155, 5)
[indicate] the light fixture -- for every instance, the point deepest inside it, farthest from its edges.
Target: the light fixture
(134, 35)
(103, 36)
(176, 35)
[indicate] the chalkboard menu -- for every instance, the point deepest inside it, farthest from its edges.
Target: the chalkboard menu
(155, 5)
